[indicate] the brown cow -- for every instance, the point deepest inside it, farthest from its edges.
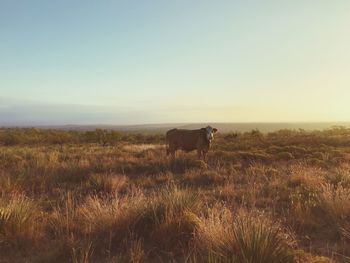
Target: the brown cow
(189, 140)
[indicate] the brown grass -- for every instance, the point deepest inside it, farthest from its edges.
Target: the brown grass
(114, 197)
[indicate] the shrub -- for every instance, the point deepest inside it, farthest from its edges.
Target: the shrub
(245, 238)
(318, 155)
(182, 164)
(297, 152)
(170, 204)
(83, 253)
(254, 156)
(326, 208)
(166, 221)
(334, 202)
(259, 240)
(317, 162)
(259, 172)
(273, 149)
(339, 176)
(18, 221)
(106, 183)
(307, 177)
(284, 156)
(203, 177)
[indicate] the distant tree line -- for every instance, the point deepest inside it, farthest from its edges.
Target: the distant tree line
(31, 136)
(336, 136)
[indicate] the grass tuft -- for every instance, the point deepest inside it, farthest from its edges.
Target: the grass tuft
(19, 221)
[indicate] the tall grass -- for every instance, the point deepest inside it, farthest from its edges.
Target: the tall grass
(93, 200)
(19, 221)
(243, 238)
(334, 202)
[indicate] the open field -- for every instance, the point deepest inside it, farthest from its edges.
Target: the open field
(224, 127)
(70, 196)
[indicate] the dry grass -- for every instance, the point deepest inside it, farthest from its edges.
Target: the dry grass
(19, 221)
(279, 197)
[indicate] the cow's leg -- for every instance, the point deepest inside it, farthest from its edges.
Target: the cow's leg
(171, 151)
(199, 153)
(205, 156)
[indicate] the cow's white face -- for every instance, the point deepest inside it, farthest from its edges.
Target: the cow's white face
(210, 132)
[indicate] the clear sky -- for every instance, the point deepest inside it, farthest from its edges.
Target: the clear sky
(129, 62)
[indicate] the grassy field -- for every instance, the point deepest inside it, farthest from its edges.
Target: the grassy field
(115, 197)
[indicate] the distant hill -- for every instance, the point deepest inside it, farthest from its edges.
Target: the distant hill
(222, 127)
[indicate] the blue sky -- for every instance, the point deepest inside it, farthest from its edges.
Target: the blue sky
(128, 62)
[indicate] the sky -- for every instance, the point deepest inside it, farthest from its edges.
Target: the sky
(138, 62)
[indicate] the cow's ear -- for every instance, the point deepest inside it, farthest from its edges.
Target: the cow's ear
(215, 130)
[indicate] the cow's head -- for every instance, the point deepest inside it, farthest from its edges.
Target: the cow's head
(210, 132)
